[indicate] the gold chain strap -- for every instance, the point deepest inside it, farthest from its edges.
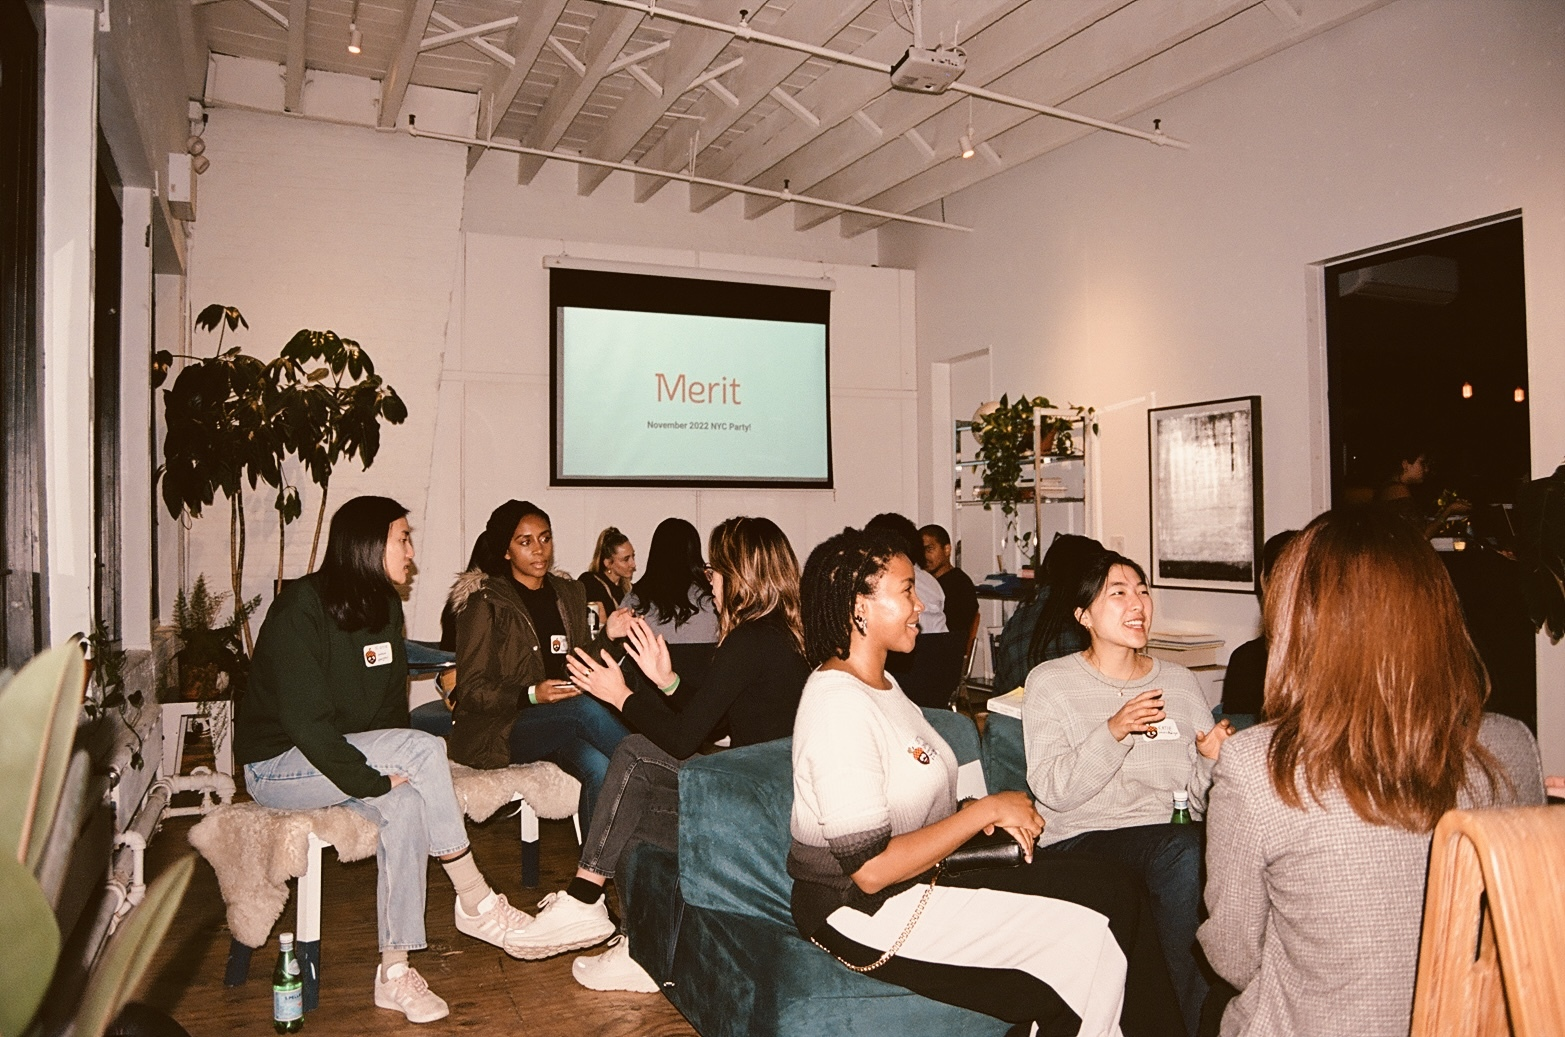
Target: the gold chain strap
(907, 931)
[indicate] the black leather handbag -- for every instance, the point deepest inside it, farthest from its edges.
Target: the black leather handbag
(982, 851)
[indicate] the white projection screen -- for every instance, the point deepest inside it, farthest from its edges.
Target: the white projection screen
(673, 381)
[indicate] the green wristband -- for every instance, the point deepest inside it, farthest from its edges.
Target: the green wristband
(673, 686)
(532, 694)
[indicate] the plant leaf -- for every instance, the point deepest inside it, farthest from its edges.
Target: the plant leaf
(40, 707)
(130, 952)
(30, 949)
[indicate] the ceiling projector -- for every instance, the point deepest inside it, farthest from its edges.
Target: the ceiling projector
(928, 70)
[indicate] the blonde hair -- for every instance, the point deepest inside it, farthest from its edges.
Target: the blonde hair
(760, 575)
(1372, 681)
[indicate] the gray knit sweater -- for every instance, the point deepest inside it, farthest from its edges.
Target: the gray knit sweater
(1085, 781)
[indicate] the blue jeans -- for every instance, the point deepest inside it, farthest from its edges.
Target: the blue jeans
(417, 820)
(1168, 859)
(578, 733)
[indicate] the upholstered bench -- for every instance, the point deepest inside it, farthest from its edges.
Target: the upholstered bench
(713, 925)
(255, 851)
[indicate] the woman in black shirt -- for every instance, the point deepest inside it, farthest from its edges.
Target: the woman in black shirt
(750, 693)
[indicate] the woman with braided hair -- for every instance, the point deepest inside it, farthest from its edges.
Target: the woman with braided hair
(1061, 945)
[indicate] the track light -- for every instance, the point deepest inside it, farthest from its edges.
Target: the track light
(200, 164)
(195, 145)
(968, 151)
(355, 39)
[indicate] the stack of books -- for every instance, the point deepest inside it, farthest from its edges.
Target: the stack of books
(1009, 704)
(1187, 648)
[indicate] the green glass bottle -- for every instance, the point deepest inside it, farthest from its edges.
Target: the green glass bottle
(287, 989)
(1181, 808)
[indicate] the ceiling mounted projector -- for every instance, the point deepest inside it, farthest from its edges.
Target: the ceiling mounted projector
(928, 70)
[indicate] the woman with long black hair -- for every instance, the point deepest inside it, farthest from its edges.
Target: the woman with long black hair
(516, 622)
(1061, 945)
(325, 723)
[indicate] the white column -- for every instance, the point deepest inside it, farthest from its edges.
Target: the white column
(70, 147)
(136, 420)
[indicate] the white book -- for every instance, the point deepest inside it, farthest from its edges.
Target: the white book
(1009, 704)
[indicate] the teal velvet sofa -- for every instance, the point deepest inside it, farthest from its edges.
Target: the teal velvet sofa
(712, 923)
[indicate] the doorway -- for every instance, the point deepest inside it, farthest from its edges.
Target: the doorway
(1426, 355)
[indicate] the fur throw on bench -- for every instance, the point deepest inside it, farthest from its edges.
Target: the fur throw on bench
(255, 850)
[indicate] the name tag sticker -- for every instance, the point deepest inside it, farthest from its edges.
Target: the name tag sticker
(378, 655)
(1164, 730)
(921, 752)
(558, 644)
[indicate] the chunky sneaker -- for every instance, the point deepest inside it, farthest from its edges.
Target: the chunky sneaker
(563, 924)
(496, 924)
(402, 989)
(614, 969)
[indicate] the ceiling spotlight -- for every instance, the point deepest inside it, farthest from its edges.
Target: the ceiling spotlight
(200, 164)
(968, 151)
(355, 39)
(195, 145)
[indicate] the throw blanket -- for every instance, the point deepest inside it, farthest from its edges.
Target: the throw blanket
(256, 850)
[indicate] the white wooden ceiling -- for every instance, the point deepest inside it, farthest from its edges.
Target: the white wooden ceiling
(778, 119)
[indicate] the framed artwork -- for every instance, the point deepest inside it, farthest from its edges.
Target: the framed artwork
(1207, 526)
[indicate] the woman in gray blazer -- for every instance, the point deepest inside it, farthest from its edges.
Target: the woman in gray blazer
(1319, 820)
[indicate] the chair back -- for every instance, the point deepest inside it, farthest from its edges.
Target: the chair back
(1489, 963)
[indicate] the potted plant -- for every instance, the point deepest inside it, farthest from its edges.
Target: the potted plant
(105, 662)
(212, 661)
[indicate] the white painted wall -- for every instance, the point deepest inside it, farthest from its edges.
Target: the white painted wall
(377, 236)
(1109, 271)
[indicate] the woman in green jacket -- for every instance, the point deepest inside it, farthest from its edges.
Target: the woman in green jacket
(325, 723)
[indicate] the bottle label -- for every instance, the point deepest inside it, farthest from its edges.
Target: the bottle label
(288, 1003)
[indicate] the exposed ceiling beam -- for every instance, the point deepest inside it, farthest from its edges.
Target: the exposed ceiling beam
(395, 86)
(764, 68)
(293, 76)
(609, 33)
(445, 39)
(484, 47)
(1083, 59)
(844, 91)
(1230, 45)
(526, 40)
(192, 45)
(690, 53)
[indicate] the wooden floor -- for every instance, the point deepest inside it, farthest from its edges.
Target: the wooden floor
(489, 992)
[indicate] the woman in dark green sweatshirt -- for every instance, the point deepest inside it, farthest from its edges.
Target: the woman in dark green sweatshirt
(325, 723)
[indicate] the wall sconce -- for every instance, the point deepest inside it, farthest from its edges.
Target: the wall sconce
(1520, 396)
(1467, 390)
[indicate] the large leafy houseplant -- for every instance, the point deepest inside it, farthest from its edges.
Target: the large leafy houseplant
(40, 706)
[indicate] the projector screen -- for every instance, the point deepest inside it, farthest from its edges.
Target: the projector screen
(672, 381)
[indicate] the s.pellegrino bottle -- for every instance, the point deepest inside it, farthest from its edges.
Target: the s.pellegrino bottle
(1181, 808)
(287, 989)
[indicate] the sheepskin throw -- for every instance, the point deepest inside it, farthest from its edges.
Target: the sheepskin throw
(255, 850)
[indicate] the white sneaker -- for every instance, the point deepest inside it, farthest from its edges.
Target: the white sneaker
(495, 924)
(402, 989)
(563, 924)
(614, 969)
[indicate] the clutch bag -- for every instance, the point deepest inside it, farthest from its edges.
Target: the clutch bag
(982, 851)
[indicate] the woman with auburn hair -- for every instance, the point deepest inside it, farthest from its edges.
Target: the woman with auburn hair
(750, 694)
(1319, 819)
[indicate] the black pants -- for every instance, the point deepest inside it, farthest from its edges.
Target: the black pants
(639, 802)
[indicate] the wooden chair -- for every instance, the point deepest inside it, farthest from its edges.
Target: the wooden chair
(1490, 961)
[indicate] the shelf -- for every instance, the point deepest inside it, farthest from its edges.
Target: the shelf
(1026, 461)
(1022, 502)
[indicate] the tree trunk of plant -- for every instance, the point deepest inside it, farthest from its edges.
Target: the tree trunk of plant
(282, 543)
(236, 557)
(320, 518)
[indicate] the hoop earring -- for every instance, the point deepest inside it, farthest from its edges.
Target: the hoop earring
(859, 625)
